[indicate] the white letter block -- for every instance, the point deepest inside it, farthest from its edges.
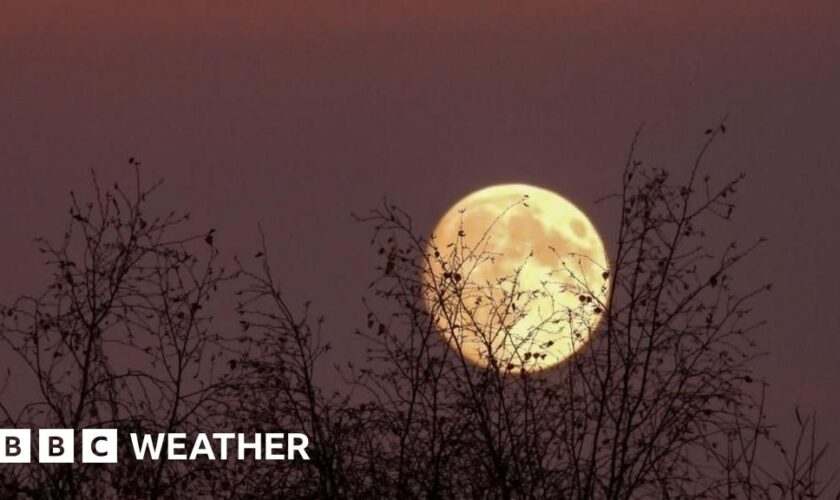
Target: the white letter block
(15, 446)
(99, 446)
(55, 446)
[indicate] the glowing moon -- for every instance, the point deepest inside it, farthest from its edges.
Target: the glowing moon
(516, 277)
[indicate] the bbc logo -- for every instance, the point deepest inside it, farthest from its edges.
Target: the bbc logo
(57, 446)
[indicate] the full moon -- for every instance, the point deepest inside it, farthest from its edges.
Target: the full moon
(516, 277)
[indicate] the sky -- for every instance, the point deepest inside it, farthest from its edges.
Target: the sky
(293, 115)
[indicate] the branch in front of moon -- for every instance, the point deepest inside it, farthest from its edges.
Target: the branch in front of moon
(516, 284)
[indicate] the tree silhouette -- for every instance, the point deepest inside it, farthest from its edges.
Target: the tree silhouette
(119, 339)
(661, 402)
(658, 401)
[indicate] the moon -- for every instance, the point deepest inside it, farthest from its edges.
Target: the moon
(516, 277)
